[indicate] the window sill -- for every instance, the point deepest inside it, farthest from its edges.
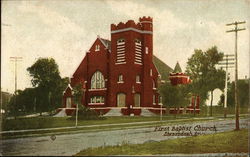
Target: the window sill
(121, 82)
(101, 89)
(138, 82)
(95, 103)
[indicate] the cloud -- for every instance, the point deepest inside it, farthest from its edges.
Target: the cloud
(66, 30)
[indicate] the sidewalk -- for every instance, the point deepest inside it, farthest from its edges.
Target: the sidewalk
(103, 125)
(116, 124)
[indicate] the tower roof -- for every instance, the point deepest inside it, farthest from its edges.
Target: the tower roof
(177, 68)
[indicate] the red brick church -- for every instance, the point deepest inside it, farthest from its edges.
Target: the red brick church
(119, 76)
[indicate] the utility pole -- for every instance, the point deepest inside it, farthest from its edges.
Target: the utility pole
(15, 59)
(225, 64)
(161, 112)
(236, 29)
(76, 114)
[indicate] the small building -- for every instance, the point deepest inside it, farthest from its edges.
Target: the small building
(177, 77)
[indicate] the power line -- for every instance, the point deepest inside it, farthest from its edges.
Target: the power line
(236, 29)
(226, 64)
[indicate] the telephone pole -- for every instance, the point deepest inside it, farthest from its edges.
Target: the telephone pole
(236, 29)
(225, 64)
(16, 59)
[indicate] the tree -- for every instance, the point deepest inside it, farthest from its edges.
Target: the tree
(14, 109)
(48, 84)
(174, 95)
(243, 87)
(205, 77)
(78, 93)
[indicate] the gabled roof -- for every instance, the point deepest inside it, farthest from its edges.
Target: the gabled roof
(106, 43)
(162, 67)
(177, 68)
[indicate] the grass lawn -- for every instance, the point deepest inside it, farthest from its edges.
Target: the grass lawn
(227, 142)
(40, 122)
(53, 122)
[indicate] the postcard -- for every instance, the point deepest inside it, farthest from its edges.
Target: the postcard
(124, 78)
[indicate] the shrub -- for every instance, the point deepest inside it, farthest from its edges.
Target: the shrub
(85, 113)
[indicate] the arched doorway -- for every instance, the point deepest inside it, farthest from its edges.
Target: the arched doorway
(137, 99)
(121, 100)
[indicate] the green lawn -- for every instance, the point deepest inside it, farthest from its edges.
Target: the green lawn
(53, 122)
(100, 128)
(227, 142)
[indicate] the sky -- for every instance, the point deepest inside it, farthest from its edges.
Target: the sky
(65, 30)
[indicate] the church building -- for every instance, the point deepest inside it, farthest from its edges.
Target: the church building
(118, 76)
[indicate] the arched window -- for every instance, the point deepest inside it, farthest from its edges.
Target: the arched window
(97, 48)
(97, 99)
(160, 99)
(68, 102)
(137, 79)
(138, 52)
(154, 87)
(121, 100)
(154, 101)
(137, 98)
(120, 50)
(120, 79)
(97, 81)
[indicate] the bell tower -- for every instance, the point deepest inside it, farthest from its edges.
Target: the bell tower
(147, 40)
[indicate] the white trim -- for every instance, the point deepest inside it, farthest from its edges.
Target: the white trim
(138, 57)
(179, 76)
(106, 46)
(138, 82)
(120, 63)
(121, 54)
(138, 49)
(121, 49)
(120, 46)
(99, 89)
(146, 22)
(151, 108)
(120, 57)
(66, 88)
(136, 107)
(131, 29)
(95, 103)
(137, 44)
(138, 63)
(192, 109)
(120, 60)
(146, 50)
(121, 43)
